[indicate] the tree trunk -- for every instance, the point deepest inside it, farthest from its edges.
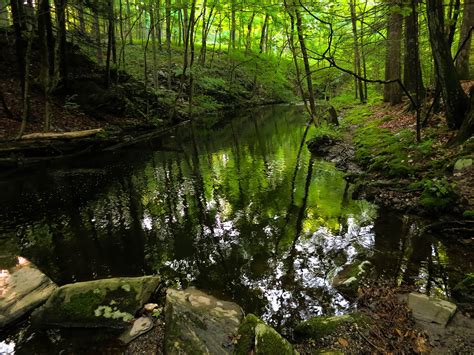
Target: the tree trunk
(45, 79)
(467, 127)
(392, 92)
(264, 32)
(232, 24)
(412, 75)
(129, 21)
(153, 45)
(248, 40)
(462, 62)
(60, 7)
(111, 52)
(19, 41)
(357, 63)
(453, 14)
(304, 53)
(158, 24)
(168, 39)
(202, 58)
(455, 100)
(98, 40)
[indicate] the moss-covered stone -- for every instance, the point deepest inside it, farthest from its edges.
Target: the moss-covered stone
(269, 342)
(319, 327)
(100, 303)
(347, 280)
(246, 335)
(469, 214)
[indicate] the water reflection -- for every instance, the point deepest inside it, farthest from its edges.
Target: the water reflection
(242, 211)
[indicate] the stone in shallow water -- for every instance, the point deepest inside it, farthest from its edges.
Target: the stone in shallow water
(429, 309)
(347, 280)
(100, 303)
(22, 289)
(197, 323)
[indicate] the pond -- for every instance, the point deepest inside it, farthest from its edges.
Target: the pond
(240, 210)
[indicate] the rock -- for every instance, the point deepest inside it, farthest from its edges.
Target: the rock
(22, 289)
(140, 326)
(320, 145)
(101, 303)
(319, 327)
(429, 309)
(269, 342)
(246, 335)
(347, 280)
(462, 164)
(257, 337)
(197, 323)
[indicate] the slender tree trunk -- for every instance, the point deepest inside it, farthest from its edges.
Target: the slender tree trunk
(362, 47)
(392, 92)
(412, 75)
(232, 24)
(19, 41)
(158, 25)
(45, 79)
(202, 58)
(129, 21)
(455, 100)
(111, 52)
(357, 63)
(153, 45)
(264, 32)
(304, 53)
(60, 6)
(453, 14)
(168, 39)
(462, 62)
(98, 39)
(248, 40)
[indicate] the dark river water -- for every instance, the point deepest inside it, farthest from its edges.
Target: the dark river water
(241, 210)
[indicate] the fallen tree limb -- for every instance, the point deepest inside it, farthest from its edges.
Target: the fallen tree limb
(62, 135)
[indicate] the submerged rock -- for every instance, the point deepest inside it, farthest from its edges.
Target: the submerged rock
(22, 290)
(348, 279)
(319, 327)
(259, 338)
(430, 309)
(101, 303)
(197, 323)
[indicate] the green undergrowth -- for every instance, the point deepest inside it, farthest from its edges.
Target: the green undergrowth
(327, 130)
(226, 80)
(397, 155)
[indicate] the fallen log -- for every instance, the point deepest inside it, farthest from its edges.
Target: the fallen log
(63, 135)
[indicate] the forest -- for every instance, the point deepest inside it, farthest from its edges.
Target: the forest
(236, 176)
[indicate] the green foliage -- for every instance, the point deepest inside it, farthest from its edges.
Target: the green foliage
(438, 194)
(327, 130)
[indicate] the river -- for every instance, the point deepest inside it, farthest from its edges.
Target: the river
(240, 210)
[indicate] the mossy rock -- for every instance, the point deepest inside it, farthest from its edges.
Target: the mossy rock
(319, 327)
(462, 164)
(100, 303)
(464, 290)
(468, 214)
(347, 280)
(246, 334)
(269, 342)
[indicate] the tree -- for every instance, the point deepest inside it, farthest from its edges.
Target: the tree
(392, 92)
(412, 74)
(454, 98)
(465, 37)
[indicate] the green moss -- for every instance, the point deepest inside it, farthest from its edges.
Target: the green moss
(246, 334)
(81, 305)
(469, 214)
(319, 327)
(269, 342)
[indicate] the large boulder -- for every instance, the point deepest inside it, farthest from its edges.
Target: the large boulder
(101, 303)
(197, 323)
(430, 309)
(22, 289)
